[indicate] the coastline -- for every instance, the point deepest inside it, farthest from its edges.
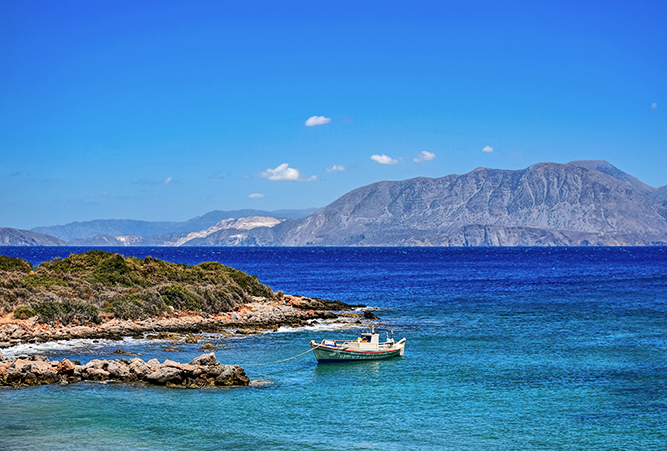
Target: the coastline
(204, 371)
(99, 295)
(259, 315)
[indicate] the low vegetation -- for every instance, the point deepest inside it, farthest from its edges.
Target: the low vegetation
(14, 264)
(83, 288)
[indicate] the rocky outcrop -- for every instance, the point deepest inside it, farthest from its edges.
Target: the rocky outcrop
(295, 311)
(305, 303)
(204, 371)
(227, 228)
(16, 237)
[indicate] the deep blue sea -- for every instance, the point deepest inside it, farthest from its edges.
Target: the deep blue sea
(507, 349)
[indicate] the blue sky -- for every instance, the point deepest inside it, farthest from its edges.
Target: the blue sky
(167, 110)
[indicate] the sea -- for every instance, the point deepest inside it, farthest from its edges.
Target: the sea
(507, 349)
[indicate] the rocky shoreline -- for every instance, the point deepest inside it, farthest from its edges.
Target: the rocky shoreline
(203, 371)
(263, 314)
(98, 295)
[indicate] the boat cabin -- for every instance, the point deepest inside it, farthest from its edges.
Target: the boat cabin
(369, 341)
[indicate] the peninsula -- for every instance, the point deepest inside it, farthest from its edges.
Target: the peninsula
(103, 295)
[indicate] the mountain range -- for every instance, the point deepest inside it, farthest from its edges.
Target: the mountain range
(548, 204)
(125, 227)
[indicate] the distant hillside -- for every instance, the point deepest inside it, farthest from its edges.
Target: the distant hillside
(228, 227)
(659, 196)
(580, 203)
(16, 237)
(128, 227)
(124, 240)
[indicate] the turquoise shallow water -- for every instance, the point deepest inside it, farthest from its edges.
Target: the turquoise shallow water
(507, 349)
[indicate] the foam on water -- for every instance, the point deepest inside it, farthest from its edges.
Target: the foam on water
(53, 347)
(318, 325)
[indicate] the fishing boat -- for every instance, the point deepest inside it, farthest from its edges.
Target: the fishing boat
(366, 347)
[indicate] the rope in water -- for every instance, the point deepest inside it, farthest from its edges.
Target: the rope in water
(283, 360)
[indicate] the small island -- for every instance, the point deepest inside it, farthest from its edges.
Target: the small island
(103, 295)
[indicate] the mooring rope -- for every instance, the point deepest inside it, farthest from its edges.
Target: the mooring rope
(278, 361)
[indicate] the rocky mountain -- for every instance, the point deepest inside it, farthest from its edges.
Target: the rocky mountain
(81, 231)
(229, 227)
(16, 237)
(579, 203)
(659, 196)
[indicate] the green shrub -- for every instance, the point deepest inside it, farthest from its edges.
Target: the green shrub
(135, 306)
(250, 284)
(67, 311)
(14, 264)
(50, 311)
(23, 309)
(112, 270)
(42, 280)
(213, 266)
(75, 263)
(125, 307)
(81, 310)
(180, 298)
(218, 301)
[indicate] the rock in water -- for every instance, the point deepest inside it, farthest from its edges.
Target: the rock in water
(65, 367)
(205, 360)
(165, 374)
(203, 371)
(369, 315)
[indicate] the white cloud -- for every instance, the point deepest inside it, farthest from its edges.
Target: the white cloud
(256, 195)
(654, 105)
(317, 120)
(487, 149)
(425, 156)
(284, 172)
(336, 168)
(383, 159)
(169, 180)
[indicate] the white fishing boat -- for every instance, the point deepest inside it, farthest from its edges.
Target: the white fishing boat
(366, 347)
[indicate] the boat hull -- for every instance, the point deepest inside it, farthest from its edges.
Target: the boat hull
(326, 354)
